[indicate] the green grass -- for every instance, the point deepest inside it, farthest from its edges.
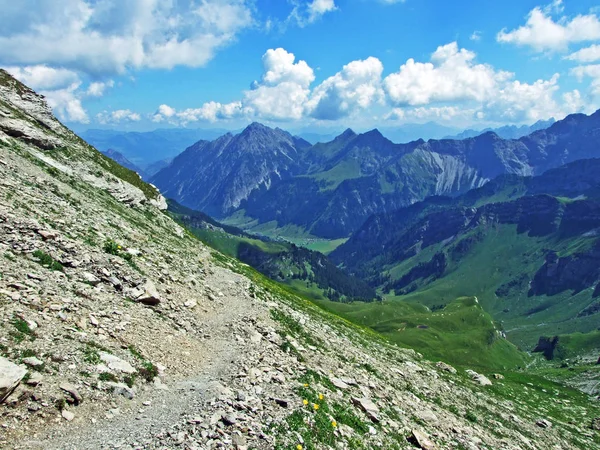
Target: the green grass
(503, 255)
(462, 333)
(45, 260)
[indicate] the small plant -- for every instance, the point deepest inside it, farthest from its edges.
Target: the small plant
(91, 355)
(107, 376)
(22, 326)
(135, 352)
(45, 260)
(60, 404)
(111, 247)
(148, 371)
(129, 380)
(471, 417)
(27, 353)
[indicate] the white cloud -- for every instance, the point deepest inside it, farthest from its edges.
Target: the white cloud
(519, 102)
(476, 36)
(451, 75)
(586, 55)
(421, 114)
(209, 112)
(590, 71)
(282, 92)
(319, 7)
(112, 36)
(66, 103)
(118, 116)
(542, 33)
(97, 88)
(356, 87)
(44, 77)
(451, 87)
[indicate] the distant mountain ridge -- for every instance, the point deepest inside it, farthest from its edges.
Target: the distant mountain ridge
(507, 131)
(267, 176)
(145, 148)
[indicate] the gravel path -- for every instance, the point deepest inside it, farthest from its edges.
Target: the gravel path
(141, 422)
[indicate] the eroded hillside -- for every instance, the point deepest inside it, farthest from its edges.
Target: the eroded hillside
(127, 332)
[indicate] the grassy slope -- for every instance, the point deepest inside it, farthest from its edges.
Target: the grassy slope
(462, 333)
(502, 256)
(229, 245)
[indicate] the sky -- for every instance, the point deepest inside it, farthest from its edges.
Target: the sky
(305, 64)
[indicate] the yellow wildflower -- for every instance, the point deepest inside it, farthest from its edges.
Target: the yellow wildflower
(299, 447)
(316, 406)
(334, 424)
(305, 384)
(305, 401)
(321, 396)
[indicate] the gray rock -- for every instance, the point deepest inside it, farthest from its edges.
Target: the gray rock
(72, 391)
(543, 423)
(478, 378)
(90, 278)
(421, 440)
(67, 415)
(368, 407)
(32, 361)
(150, 295)
(10, 377)
(445, 367)
(122, 389)
(115, 363)
(35, 379)
(339, 383)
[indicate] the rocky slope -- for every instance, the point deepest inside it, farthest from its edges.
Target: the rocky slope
(133, 334)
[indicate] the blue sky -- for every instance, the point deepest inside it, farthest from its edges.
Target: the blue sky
(311, 64)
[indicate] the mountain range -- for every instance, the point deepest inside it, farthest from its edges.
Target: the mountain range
(266, 177)
(507, 131)
(527, 247)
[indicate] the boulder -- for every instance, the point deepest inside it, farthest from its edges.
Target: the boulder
(445, 367)
(115, 363)
(32, 361)
(122, 389)
(478, 378)
(76, 397)
(10, 377)
(150, 295)
(421, 440)
(367, 405)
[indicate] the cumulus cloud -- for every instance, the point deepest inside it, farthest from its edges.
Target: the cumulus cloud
(44, 77)
(283, 90)
(66, 103)
(586, 55)
(111, 36)
(445, 113)
(590, 71)
(97, 88)
(542, 33)
(523, 102)
(452, 75)
(357, 86)
(209, 112)
(118, 116)
(451, 86)
(319, 7)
